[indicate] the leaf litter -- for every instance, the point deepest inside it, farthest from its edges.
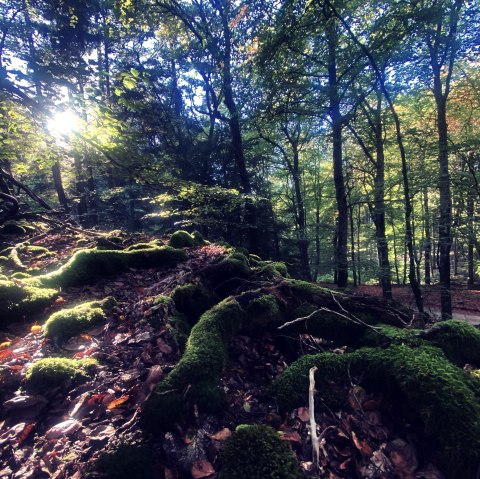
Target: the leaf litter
(60, 433)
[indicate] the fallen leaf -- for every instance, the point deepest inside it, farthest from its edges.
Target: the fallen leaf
(362, 446)
(60, 300)
(6, 353)
(202, 468)
(221, 435)
(5, 345)
(96, 398)
(63, 429)
(35, 329)
(291, 436)
(24, 434)
(303, 413)
(117, 402)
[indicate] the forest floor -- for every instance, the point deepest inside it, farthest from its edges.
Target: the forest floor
(466, 302)
(61, 433)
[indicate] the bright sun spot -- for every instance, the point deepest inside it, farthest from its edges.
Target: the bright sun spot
(63, 123)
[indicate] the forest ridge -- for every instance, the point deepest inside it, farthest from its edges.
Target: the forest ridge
(341, 137)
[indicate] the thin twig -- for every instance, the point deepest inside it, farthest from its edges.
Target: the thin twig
(313, 424)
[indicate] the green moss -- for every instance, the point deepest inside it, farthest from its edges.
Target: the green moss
(182, 239)
(53, 372)
(220, 276)
(459, 341)
(126, 462)
(20, 275)
(194, 380)
(70, 322)
(3, 277)
(19, 300)
(199, 239)
(425, 387)
(87, 266)
(269, 269)
(137, 246)
(192, 300)
(256, 452)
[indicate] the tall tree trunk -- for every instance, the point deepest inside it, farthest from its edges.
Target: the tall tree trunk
(471, 238)
(445, 218)
(352, 246)
(57, 181)
(337, 127)
(428, 237)
(379, 205)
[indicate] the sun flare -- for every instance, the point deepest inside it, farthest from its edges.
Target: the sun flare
(63, 123)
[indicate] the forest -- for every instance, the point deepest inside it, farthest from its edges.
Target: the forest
(239, 239)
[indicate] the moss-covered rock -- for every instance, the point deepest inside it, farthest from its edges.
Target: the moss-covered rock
(20, 300)
(126, 462)
(87, 266)
(48, 373)
(21, 275)
(459, 341)
(182, 239)
(271, 269)
(199, 239)
(226, 275)
(256, 452)
(426, 388)
(192, 300)
(66, 323)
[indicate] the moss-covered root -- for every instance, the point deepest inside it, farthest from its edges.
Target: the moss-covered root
(195, 378)
(256, 452)
(53, 372)
(87, 266)
(19, 300)
(66, 323)
(423, 384)
(192, 300)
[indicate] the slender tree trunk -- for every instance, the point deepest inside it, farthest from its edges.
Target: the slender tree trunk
(379, 208)
(428, 237)
(445, 219)
(57, 181)
(337, 127)
(352, 245)
(471, 238)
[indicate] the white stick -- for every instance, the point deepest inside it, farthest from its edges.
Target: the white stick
(313, 424)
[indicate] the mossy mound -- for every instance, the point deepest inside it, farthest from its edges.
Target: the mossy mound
(87, 266)
(48, 373)
(199, 239)
(126, 462)
(458, 340)
(269, 269)
(425, 387)
(20, 300)
(256, 452)
(20, 275)
(138, 246)
(192, 300)
(182, 239)
(66, 323)
(223, 277)
(195, 378)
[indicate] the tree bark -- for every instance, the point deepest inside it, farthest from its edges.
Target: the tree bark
(339, 180)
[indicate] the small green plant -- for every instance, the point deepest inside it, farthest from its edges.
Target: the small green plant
(256, 452)
(48, 373)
